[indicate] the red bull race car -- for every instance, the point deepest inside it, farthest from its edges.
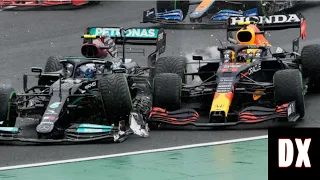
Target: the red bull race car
(211, 11)
(13, 4)
(251, 82)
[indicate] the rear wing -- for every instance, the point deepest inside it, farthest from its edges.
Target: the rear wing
(270, 23)
(274, 22)
(132, 36)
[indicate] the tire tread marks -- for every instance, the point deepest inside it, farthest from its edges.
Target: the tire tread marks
(116, 97)
(288, 87)
(167, 91)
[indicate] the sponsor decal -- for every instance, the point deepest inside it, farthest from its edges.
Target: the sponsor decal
(51, 118)
(228, 79)
(232, 65)
(50, 112)
(43, 127)
(149, 13)
(291, 109)
(91, 85)
(55, 105)
(89, 130)
(254, 69)
(224, 87)
(275, 19)
(133, 33)
(94, 126)
(220, 106)
(160, 36)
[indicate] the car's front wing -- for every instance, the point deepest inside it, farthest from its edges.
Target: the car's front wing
(83, 133)
(249, 115)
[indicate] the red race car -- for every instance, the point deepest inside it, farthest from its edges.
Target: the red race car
(45, 3)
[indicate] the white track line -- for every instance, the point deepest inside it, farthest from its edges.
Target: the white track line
(134, 153)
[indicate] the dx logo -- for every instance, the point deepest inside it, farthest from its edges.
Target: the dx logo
(286, 152)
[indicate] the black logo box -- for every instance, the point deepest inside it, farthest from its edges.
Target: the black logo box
(275, 172)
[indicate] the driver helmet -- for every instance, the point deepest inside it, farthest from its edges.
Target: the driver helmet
(86, 71)
(246, 55)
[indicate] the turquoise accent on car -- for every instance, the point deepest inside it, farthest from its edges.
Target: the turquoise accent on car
(95, 126)
(148, 33)
(9, 129)
(92, 130)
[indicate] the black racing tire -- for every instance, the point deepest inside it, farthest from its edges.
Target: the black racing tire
(171, 64)
(310, 63)
(116, 98)
(310, 60)
(288, 87)
(167, 91)
(53, 64)
(94, 2)
(8, 115)
(163, 6)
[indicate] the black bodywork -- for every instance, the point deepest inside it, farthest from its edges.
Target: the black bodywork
(70, 108)
(59, 101)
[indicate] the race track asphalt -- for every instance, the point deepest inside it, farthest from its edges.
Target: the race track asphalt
(27, 38)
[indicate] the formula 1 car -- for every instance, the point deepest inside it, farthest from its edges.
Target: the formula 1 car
(251, 82)
(13, 4)
(211, 11)
(81, 99)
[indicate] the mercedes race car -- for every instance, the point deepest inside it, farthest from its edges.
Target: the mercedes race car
(90, 98)
(13, 4)
(251, 82)
(211, 11)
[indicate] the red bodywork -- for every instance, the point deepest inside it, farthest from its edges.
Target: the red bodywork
(30, 3)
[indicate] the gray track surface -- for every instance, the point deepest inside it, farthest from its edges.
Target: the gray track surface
(28, 38)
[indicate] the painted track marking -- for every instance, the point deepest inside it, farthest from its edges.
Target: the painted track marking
(133, 153)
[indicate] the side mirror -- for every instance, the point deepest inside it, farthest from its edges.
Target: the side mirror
(36, 70)
(197, 58)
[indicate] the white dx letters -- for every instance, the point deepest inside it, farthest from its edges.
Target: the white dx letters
(286, 153)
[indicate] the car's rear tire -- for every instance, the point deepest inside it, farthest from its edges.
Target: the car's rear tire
(116, 98)
(163, 6)
(171, 64)
(94, 2)
(288, 87)
(167, 91)
(53, 64)
(310, 62)
(8, 114)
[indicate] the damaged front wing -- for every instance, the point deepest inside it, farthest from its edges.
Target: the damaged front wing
(77, 133)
